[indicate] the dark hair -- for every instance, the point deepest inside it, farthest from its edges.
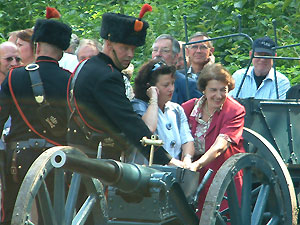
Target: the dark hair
(215, 72)
(26, 35)
(148, 76)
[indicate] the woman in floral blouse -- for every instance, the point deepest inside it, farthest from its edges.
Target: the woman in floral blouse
(216, 121)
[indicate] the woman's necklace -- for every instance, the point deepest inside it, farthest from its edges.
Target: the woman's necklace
(206, 110)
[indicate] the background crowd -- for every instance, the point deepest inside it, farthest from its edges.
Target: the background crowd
(217, 18)
(193, 111)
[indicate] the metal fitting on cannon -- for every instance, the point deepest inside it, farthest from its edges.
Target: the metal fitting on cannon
(153, 142)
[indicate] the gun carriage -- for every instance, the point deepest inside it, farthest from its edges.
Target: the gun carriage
(109, 192)
(166, 195)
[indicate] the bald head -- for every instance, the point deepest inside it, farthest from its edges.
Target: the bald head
(9, 57)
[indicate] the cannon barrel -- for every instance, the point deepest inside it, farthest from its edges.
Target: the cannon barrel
(128, 178)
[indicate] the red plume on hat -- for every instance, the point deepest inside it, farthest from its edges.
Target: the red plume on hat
(138, 25)
(52, 13)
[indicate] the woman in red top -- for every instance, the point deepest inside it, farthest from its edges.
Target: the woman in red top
(216, 121)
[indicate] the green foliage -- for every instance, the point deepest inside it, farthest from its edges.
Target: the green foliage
(216, 17)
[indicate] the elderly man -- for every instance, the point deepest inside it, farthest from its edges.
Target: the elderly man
(101, 110)
(259, 81)
(9, 57)
(87, 48)
(199, 54)
(180, 61)
(69, 60)
(168, 48)
(74, 42)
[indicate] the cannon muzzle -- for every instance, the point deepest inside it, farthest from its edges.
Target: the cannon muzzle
(127, 177)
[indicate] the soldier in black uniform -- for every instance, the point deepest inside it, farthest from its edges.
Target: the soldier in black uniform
(293, 92)
(28, 137)
(101, 106)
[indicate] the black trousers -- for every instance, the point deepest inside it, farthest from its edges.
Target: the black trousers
(24, 158)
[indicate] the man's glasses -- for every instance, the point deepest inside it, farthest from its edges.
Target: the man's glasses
(201, 47)
(162, 50)
(11, 58)
(157, 65)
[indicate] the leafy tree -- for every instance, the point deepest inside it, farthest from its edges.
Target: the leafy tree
(216, 17)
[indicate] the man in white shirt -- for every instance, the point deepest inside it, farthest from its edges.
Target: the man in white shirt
(260, 80)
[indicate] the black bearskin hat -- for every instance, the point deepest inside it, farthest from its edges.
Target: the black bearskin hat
(52, 32)
(125, 29)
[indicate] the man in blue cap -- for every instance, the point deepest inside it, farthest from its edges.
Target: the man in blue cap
(101, 112)
(260, 79)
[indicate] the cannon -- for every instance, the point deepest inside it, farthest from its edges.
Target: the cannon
(136, 194)
(93, 191)
(121, 193)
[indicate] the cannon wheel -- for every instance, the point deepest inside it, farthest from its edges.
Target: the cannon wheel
(268, 195)
(56, 210)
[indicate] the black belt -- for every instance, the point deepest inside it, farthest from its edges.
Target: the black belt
(35, 144)
(29, 144)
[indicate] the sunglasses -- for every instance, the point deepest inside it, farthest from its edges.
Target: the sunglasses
(10, 59)
(157, 65)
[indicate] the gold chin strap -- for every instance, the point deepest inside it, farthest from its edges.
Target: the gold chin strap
(118, 63)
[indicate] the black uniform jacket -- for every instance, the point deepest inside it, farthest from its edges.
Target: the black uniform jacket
(100, 95)
(55, 80)
(293, 92)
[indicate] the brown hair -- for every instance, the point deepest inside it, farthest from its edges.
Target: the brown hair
(215, 72)
(148, 76)
(26, 35)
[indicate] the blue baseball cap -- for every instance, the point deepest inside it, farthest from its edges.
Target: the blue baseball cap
(264, 44)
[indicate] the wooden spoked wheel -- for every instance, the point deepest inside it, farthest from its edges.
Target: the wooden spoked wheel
(268, 195)
(66, 203)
